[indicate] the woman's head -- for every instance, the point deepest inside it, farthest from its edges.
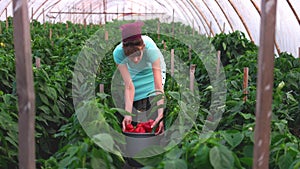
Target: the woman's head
(134, 49)
(133, 44)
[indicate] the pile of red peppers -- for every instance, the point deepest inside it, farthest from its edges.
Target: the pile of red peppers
(141, 127)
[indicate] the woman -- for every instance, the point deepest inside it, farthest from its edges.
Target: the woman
(142, 68)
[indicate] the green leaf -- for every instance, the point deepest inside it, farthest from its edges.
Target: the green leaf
(285, 161)
(175, 153)
(66, 162)
(51, 93)
(175, 95)
(295, 165)
(224, 45)
(105, 141)
(122, 111)
(98, 163)
(233, 138)
(151, 155)
(247, 116)
(291, 97)
(220, 157)
(247, 161)
(45, 109)
(202, 157)
(72, 151)
(44, 99)
(175, 164)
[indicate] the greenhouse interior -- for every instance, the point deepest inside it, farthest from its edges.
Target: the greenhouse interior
(81, 84)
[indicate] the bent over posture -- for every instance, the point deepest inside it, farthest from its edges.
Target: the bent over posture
(143, 69)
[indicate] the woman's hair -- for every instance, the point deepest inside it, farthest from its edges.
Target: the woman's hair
(133, 47)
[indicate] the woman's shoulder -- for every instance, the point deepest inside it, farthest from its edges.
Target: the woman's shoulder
(118, 47)
(148, 41)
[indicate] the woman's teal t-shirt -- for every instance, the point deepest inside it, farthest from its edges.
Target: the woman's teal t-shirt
(141, 73)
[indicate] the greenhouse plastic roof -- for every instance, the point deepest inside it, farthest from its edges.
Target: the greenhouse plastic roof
(226, 15)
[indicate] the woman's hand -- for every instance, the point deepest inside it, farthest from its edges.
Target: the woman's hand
(126, 120)
(160, 127)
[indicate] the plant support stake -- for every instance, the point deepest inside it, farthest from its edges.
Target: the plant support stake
(192, 77)
(218, 61)
(172, 62)
(245, 83)
(101, 88)
(25, 88)
(106, 35)
(38, 63)
(264, 91)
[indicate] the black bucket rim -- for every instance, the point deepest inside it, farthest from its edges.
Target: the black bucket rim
(138, 135)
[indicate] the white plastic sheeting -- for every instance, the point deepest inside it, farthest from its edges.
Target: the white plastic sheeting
(206, 16)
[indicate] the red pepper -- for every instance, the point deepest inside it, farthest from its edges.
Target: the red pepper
(129, 128)
(141, 127)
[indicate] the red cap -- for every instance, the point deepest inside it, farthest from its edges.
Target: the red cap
(131, 31)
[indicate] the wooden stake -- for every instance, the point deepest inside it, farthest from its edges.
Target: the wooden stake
(158, 30)
(165, 45)
(43, 16)
(193, 28)
(223, 30)
(6, 19)
(245, 83)
(218, 61)
(31, 14)
(50, 33)
(263, 112)
(190, 52)
(192, 77)
(38, 62)
(84, 23)
(173, 24)
(210, 29)
(101, 88)
(106, 35)
(25, 85)
(299, 53)
(172, 62)
(104, 11)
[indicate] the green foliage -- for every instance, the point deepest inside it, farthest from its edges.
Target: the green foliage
(62, 141)
(232, 46)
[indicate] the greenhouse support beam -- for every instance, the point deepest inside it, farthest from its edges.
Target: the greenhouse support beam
(5, 9)
(225, 15)
(294, 11)
(212, 13)
(25, 89)
(203, 16)
(264, 85)
(242, 20)
(95, 13)
(259, 12)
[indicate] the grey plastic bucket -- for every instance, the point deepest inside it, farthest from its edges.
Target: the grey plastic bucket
(137, 142)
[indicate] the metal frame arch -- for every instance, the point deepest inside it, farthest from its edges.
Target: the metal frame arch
(225, 15)
(259, 12)
(242, 19)
(203, 16)
(8, 3)
(188, 19)
(45, 1)
(212, 14)
(192, 13)
(199, 17)
(294, 11)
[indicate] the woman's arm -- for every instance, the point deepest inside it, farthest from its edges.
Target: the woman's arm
(159, 88)
(128, 92)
